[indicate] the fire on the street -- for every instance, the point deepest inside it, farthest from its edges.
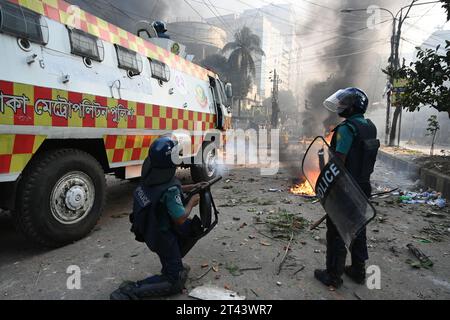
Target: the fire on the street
(303, 189)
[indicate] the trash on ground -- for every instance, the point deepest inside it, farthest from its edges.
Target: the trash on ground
(431, 198)
(283, 223)
(209, 292)
(424, 260)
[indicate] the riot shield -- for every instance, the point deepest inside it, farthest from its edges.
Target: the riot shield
(343, 200)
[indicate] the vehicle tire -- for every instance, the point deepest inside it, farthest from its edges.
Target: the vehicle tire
(60, 197)
(208, 169)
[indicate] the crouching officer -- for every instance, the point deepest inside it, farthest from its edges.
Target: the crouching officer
(161, 220)
(354, 142)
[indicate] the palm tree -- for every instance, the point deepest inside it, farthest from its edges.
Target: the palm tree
(241, 62)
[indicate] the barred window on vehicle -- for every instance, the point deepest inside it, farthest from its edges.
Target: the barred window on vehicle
(23, 23)
(86, 45)
(160, 70)
(129, 60)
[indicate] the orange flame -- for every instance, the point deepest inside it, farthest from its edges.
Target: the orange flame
(303, 189)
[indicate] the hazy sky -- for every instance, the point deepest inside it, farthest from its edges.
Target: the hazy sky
(424, 19)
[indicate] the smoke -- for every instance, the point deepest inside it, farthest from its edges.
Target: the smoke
(348, 58)
(125, 14)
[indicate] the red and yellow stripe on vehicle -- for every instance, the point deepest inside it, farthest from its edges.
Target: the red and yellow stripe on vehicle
(16, 151)
(43, 109)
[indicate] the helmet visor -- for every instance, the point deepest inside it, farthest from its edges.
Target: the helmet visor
(333, 103)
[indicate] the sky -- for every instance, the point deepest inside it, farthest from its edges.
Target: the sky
(422, 22)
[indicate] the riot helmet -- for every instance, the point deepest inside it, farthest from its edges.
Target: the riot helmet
(347, 102)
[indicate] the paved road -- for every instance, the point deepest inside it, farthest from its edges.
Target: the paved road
(241, 240)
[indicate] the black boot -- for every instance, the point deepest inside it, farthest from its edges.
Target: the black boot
(356, 272)
(328, 279)
(140, 290)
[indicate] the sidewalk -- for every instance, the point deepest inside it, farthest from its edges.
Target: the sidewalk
(403, 160)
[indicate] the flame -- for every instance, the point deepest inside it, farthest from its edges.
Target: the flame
(329, 137)
(303, 189)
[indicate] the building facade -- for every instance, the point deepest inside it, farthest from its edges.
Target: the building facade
(275, 25)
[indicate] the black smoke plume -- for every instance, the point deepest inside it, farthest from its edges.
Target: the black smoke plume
(349, 60)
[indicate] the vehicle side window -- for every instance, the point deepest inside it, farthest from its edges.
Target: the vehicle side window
(160, 70)
(86, 45)
(23, 23)
(129, 60)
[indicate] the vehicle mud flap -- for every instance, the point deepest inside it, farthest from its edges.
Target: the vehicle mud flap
(343, 200)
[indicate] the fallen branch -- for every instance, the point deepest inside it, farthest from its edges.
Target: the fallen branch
(301, 269)
(318, 223)
(285, 254)
(254, 292)
(250, 269)
(204, 274)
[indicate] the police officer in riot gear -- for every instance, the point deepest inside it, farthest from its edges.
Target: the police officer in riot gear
(161, 220)
(349, 145)
(160, 28)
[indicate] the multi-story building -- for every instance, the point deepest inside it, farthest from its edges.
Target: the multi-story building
(275, 26)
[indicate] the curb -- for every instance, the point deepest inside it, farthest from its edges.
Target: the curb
(430, 178)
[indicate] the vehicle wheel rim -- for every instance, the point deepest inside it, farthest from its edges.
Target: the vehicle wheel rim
(72, 198)
(211, 163)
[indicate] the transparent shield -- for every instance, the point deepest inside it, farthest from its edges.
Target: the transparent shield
(341, 197)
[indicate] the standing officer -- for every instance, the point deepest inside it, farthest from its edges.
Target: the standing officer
(349, 144)
(161, 220)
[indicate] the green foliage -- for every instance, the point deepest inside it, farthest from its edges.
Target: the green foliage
(433, 128)
(433, 125)
(428, 81)
(241, 64)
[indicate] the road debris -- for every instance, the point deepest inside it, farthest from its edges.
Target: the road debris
(254, 292)
(435, 232)
(205, 273)
(209, 292)
(432, 198)
(299, 270)
(283, 223)
(424, 260)
(285, 254)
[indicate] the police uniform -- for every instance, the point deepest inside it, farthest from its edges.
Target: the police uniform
(347, 140)
(158, 202)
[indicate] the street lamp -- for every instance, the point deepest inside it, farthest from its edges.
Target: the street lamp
(395, 43)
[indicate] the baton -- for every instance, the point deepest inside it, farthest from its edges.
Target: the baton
(319, 222)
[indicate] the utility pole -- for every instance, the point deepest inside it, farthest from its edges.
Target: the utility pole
(275, 101)
(396, 64)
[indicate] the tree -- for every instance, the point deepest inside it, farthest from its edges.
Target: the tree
(428, 81)
(241, 64)
(433, 128)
